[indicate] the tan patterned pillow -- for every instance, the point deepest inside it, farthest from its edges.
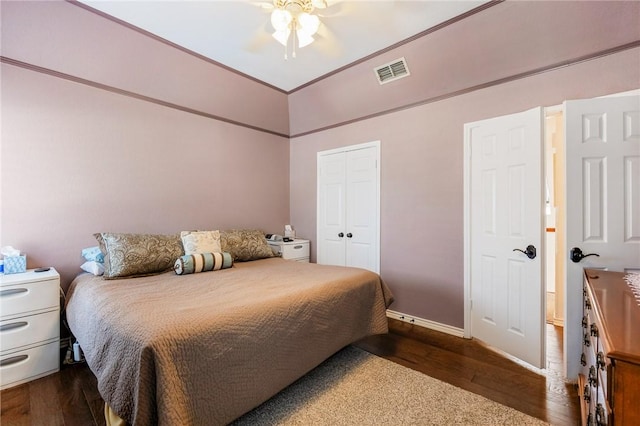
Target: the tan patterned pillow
(201, 241)
(245, 244)
(134, 255)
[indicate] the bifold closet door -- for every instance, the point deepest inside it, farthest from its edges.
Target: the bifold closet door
(348, 208)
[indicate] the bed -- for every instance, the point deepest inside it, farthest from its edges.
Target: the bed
(206, 348)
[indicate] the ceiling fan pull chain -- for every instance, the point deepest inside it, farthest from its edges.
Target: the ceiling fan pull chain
(293, 54)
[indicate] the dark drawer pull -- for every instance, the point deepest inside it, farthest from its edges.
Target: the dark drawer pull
(600, 415)
(13, 326)
(593, 376)
(297, 247)
(600, 362)
(13, 360)
(13, 292)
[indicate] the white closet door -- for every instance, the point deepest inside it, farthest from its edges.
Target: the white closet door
(331, 209)
(349, 207)
(361, 213)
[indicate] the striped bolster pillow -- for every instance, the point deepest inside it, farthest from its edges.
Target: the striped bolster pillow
(202, 262)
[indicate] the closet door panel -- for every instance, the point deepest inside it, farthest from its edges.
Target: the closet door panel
(331, 209)
(349, 207)
(362, 208)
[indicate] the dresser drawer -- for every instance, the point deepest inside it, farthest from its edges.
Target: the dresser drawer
(29, 297)
(25, 365)
(24, 331)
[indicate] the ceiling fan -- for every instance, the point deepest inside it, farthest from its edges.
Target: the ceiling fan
(296, 23)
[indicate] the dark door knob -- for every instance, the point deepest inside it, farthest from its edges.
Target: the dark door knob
(530, 251)
(349, 235)
(577, 255)
(341, 234)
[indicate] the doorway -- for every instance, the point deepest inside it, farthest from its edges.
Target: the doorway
(554, 214)
(559, 274)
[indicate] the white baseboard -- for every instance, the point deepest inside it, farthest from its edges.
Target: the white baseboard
(432, 325)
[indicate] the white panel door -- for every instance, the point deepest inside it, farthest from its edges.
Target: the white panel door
(331, 209)
(603, 199)
(506, 215)
(361, 213)
(349, 207)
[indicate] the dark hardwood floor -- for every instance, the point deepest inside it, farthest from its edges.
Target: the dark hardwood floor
(70, 397)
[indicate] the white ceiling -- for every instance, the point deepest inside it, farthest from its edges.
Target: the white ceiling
(238, 33)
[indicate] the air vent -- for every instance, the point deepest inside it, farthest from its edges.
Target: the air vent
(392, 71)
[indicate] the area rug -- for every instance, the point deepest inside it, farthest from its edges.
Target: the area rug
(355, 387)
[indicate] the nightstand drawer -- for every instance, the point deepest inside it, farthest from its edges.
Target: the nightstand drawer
(295, 251)
(23, 366)
(28, 297)
(24, 331)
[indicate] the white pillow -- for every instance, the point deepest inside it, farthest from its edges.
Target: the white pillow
(93, 267)
(201, 242)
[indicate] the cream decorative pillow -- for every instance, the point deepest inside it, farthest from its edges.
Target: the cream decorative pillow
(201, 241)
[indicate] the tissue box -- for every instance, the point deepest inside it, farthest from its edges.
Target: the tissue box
(15, 264)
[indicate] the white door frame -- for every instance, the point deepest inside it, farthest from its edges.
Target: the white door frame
(365, 145)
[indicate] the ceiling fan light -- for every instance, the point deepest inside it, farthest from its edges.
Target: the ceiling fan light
(319, 4)
(280, 19)
(304, 39)
(282, 36)
(308, 23)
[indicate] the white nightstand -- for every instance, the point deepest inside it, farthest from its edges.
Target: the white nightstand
(29, 326)
(297, 249)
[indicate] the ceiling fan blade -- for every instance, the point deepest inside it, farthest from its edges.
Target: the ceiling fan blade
(335, 8)
(260, 38)
(266, 5)
(327, 42)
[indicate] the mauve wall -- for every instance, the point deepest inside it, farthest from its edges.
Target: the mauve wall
(501, 41)
(78, 160)
(69, 39)
(422, 147)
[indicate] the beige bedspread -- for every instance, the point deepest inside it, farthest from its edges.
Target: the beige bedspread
(206, 348)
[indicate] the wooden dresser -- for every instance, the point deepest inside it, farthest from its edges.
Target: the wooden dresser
(609, 382)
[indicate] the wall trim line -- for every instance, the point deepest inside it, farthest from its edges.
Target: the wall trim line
(421, 34)
(172, 44)
(536, 71)
(514, 77)
(322, 77)
(96, 85)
